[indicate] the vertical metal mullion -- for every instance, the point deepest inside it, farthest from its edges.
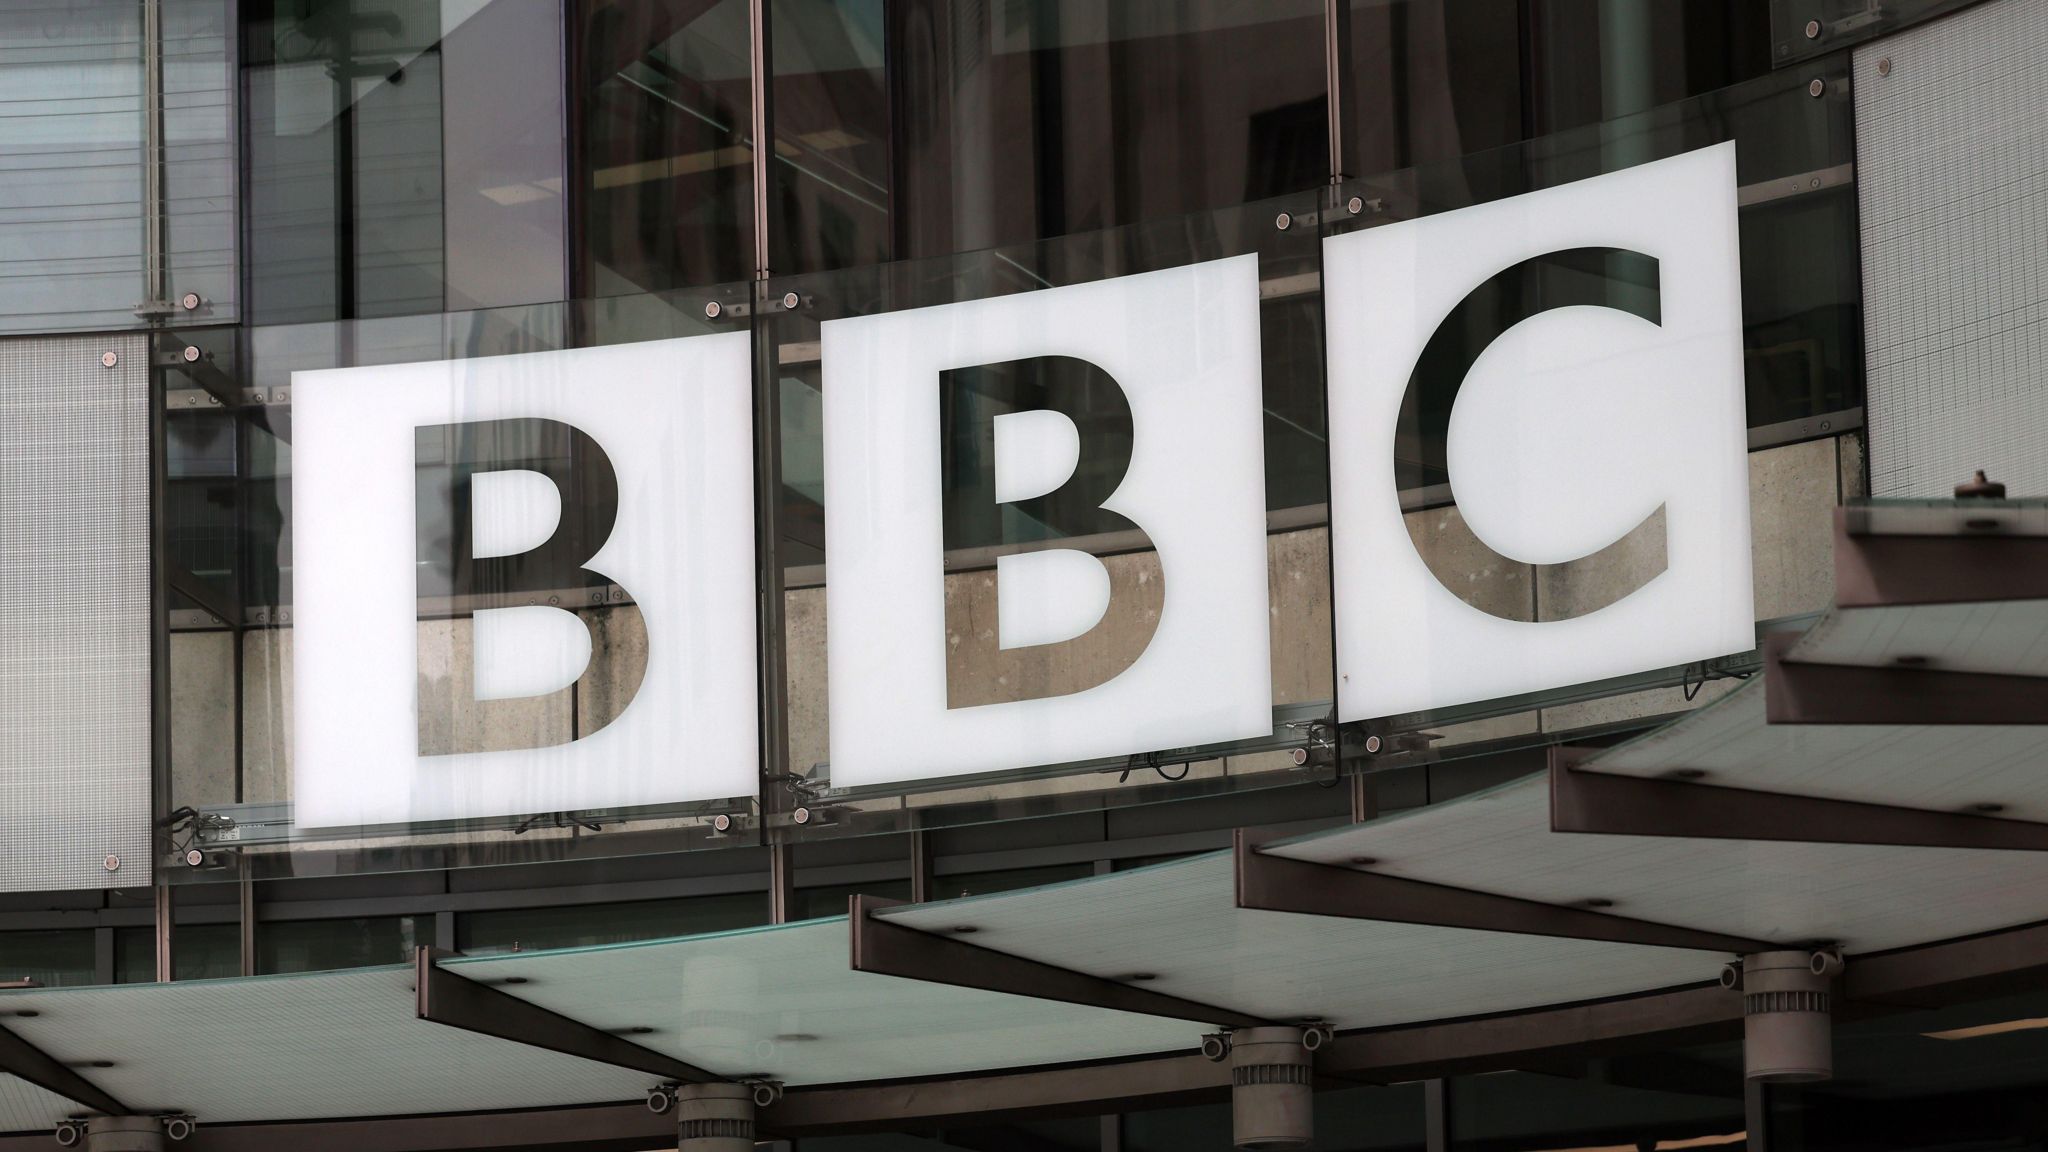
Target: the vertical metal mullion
(1336, 25)
(763, 127)
(103, 955)
(1756, 1116)
(247, 919)
(920, 865)
(770, 648)
(1436, 1115)
(164, 933)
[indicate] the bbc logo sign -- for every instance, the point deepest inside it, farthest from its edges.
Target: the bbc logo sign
(1584, 340)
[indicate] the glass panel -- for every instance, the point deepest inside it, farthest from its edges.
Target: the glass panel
(1801, 327)
(404, 157)
(54, 958)
(1803, 29)
(921, 128)
(70, 165)
(1021, 347)
(1348, 1120)
(535, 929)
(201, 182)
(235, 482)
(665, 157)
(1969, 1076)
(200, 952)
(1662, 1101)
(321, 945)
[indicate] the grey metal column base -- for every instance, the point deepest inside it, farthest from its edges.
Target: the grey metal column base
(1787, 1014)
(1272, 1084)
(715, 1117)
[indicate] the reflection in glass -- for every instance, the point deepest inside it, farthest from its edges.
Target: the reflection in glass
(404, 156)
(665, 164)
(919, 128)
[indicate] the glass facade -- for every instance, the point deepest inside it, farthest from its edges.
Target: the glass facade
(886, 249)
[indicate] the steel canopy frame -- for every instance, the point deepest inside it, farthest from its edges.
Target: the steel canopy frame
(894, 950)
(25, 1061)
(1582, 800)
(1907, 979)
(459, 1002)
(1281, 884)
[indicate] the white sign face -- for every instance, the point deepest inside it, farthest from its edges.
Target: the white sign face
(652, 447)
(1593, 336)
(1181, 348)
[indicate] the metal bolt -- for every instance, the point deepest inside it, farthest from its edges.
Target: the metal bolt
(790, 300)
(191, 353)
(1356, 204)
(712, 310)
(1813, 29)
(1283, 221)
(190, 301)
(108, 359)
(1884, 66)
(1817, 87)
(112, 863)
(801, 816)
(556, 601)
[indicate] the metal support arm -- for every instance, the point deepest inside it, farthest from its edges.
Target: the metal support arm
(25, 1061)
(1798, 692)
(1603, 802)
(458, 1002)
(894, 950)
(1279, 884)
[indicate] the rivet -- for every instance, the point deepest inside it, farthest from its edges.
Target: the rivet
(1813, 29)
(1140, 977)
(1283, 221)
(191, 353)
(1689, 773)
(190, 301)
(190, 401)
(112, 863)
(790, 300)
(1356, 204)
(712, 310)
(1817, 87)
(28, 1014)
(1825, 425)
(1884, 66)
(1597, 902)
(281, 395)
(1987, 809)
(1363, 861)
(802, 815)
(108, 359)
(556, 601)
(1910, 661)
(597, 597)
(964, 930)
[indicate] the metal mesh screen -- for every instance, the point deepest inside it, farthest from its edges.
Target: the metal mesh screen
(74, 614)
(1952, 170)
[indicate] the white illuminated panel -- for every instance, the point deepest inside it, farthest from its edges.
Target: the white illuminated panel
(674, 418)
(1184, 346)
(1570, 429)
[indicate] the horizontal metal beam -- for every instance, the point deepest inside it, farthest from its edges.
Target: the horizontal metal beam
(1279, 884)
(1883, 570)
(1603, 802)
(1800, 692)
(894, 950)
(445, 998)
(25, 1061)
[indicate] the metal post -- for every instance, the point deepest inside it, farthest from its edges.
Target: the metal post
(920, 865)
(156, 299)
(248, 920)
(1336, 30)
(163, 933)
(1436, 1115)
(763, 141)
